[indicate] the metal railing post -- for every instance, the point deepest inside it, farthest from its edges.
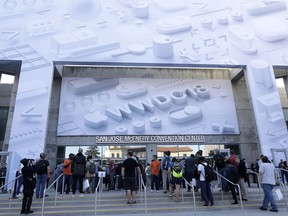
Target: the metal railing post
(145, 194)
(96, 195)
(284, 188)
(257, 175)
(44, 194)
(12, 192)
(240, 195)
(193, 194)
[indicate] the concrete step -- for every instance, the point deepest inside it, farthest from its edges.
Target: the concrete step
(114, 202)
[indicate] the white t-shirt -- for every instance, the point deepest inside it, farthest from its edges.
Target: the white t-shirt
(268, 173)
(201, 169)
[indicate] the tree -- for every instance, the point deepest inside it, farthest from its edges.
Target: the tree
(93, 151)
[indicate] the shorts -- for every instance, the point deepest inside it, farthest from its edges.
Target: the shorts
(176, 181)
(129, 183)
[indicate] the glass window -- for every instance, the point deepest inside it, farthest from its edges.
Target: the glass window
(8, 79)
(3, 121)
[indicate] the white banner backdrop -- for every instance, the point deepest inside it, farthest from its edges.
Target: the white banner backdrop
(122, 106)
(38, 32)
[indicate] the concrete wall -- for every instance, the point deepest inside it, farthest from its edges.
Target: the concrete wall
(247, 140)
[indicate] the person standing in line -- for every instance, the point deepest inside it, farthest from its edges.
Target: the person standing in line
(112, 167)
(176, 171)
(90, 173)
(232, 158)
(28, 172)
(205, 185)
(242, 171)
(42, 167)
(219, 165)
(78, 172)
(267, 179)
(67, 173)
(3, 171)
(233, 176)
(155, 168)
(283, 166)
(165, 163)
(128, 174)
(148, 175)
(19, 181)
(189, 169)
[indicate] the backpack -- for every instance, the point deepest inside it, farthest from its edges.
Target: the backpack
(176, 170)
(166, 162)
(92, 168)
(41, 167)
(209, 173)
(233, 174)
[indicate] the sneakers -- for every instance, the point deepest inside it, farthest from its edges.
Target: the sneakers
(165, 191)
(81, 195)
(73, 195)
(157, 191)
(273, 210)
(263, 208)
(235, 203)
(152, 191)
(244, 199)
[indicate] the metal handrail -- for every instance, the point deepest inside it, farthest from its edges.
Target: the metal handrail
(240, 195)
(56, 192)
(100, 181)
(12, 181)
(285, 196)
(258, 180)
(145, 193)
(193, 194)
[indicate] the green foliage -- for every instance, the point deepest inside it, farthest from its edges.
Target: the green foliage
(93, 151)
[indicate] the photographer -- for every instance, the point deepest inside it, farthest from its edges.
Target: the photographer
(29, 184)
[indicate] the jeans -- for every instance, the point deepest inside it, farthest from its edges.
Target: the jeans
(268, 196)
(165, 179)
(19, 184)
(206, 192)
(223, 181)
(91, 184)
(79, 180)
(111, 181)
(67, 183)
(243, 189)
(189, 176)
(40, 185)
(154, 181)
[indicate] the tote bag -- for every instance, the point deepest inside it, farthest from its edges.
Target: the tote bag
(277, 194)
(85, 184)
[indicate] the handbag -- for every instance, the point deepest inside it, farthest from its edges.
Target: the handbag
(85, 184)
(278, 194)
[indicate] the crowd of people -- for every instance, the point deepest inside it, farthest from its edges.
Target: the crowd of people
(167, 174)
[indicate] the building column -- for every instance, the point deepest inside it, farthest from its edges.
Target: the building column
(151, 149)
(269, 118)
